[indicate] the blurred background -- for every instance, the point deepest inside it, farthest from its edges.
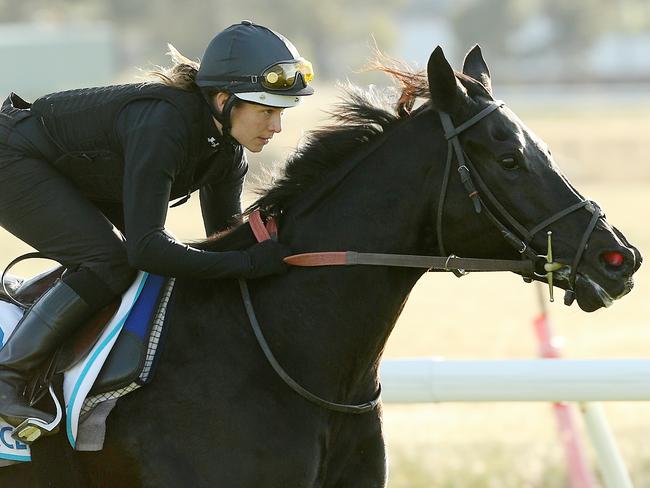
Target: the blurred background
(577, 73)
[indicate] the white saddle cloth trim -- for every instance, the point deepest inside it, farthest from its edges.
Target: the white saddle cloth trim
(77, 381)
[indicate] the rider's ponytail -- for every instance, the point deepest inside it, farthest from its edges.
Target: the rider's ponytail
(181, 75)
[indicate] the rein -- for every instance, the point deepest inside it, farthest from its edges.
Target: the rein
(449, 263)
(269, 231)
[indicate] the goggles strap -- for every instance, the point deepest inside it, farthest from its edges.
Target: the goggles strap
(249, 78)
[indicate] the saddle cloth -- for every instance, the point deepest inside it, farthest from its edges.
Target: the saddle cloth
(121, 360)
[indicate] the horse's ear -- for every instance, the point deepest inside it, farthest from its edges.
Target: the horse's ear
(447, 94)
(476, 67)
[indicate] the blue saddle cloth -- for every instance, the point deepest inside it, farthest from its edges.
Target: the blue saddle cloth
(127, 358)
(124, 357)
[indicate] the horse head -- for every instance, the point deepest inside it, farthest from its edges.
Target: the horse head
(519, 192)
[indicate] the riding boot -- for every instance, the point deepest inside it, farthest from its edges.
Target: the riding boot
(51, 319)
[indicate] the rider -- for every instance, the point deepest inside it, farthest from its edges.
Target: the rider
(86, 177)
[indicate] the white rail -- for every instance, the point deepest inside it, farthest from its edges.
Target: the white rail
(422, 380)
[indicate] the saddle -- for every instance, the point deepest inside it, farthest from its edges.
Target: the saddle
(27, 291)
(111, 355)
(129, 351)
(80, 343)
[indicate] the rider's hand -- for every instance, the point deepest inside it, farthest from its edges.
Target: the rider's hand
(266, 259)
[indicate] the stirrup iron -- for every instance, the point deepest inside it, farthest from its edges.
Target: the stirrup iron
(32, 429)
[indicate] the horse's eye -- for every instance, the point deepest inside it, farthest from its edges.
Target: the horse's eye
(509, 163)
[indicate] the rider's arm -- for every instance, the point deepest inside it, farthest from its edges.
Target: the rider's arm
(221, 201)
(154, 135)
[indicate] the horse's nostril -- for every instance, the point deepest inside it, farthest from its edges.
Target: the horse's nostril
(613, 258)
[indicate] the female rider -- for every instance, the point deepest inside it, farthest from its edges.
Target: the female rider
(86, 177)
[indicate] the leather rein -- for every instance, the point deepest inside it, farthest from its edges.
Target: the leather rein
(460, 266)
(263, 232)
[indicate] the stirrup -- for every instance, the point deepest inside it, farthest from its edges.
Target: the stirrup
(31, 429)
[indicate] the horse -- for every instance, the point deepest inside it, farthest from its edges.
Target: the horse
(380, 179)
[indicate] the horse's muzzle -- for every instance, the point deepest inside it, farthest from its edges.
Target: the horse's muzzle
(606, 276)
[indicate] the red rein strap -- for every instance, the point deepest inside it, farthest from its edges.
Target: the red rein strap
(318, 259)
(262, 232)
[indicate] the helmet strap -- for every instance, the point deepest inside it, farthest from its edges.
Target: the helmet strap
(224, 116)
(227, 109)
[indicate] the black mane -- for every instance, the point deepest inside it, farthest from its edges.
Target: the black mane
(360, 118)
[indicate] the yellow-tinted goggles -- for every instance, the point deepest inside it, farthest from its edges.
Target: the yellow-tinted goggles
(282, 76)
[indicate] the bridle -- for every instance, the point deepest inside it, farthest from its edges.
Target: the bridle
(519, 238)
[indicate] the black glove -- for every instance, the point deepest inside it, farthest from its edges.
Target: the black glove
(266, 259)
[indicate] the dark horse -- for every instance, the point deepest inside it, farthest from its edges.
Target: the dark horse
(217, 415)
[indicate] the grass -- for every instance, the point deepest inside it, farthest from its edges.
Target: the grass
(504, 444)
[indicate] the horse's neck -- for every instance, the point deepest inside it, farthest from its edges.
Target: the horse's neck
(347, 313)
(328, 326)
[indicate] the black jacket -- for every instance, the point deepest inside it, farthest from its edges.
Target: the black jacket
(143, 145)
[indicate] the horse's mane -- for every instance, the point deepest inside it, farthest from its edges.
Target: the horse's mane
(361, 117)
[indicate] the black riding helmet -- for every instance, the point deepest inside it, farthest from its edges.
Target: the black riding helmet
(254, 64)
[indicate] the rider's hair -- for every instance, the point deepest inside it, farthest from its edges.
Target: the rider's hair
(181, 75)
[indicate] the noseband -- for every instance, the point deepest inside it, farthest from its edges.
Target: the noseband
(521, 237)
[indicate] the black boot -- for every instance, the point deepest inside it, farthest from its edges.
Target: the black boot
(51, 319)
